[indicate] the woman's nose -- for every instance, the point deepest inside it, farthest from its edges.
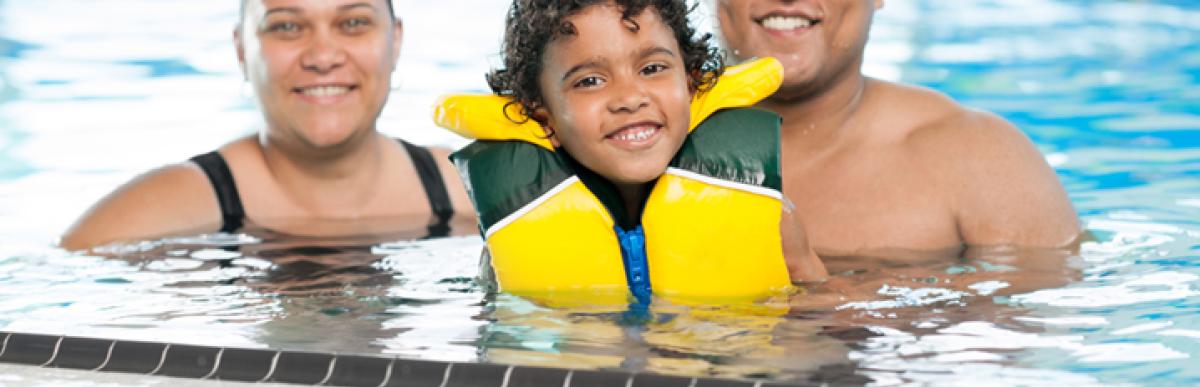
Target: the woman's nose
(324, 54)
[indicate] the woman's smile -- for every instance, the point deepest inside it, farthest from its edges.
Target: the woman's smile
(325, 94)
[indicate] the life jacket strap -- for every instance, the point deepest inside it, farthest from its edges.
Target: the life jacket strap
(637, 269)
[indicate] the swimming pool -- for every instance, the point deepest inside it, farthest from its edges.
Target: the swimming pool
(92, 93)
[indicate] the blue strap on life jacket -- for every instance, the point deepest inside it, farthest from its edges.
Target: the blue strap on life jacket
(637, 269)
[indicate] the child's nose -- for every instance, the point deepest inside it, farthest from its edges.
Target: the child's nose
(628, 96)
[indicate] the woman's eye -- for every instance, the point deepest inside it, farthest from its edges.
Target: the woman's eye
(283, 27)
(588, 82)
(654, 68)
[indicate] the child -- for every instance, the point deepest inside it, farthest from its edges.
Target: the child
(611, 195)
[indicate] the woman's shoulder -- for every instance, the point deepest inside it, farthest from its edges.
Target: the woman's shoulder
(169, 200)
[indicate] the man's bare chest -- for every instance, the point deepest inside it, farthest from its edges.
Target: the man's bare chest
(855, 204)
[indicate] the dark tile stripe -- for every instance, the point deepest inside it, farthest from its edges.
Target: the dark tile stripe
(653, 380)
(135, 357)
(244, 365)
(29, 349)
(81, 353)
(476, 375)
(360, 371)
(188, 361)
(250, 365)
(537, 377)
(302, 367)
(418, 373)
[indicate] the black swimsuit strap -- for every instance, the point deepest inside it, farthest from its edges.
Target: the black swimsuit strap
(232, 214)
(435, 188)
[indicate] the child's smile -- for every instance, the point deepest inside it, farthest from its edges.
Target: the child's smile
(616, 93)
(636, 136)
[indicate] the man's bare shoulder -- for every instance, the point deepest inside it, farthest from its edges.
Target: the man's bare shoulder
(935, 125)
(997, 182)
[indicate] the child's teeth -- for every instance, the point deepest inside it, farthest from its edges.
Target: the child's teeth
(638, 135)
(786, 22)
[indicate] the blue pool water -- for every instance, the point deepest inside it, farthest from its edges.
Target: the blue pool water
(92, 93)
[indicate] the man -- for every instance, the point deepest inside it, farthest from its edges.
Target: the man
(877, 168)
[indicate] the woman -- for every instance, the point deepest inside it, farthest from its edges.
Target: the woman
(321, 70)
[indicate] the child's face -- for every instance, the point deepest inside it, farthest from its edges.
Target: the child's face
(617, 99)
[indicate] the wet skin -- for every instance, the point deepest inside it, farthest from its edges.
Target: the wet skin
(321, 71)
(883, 169)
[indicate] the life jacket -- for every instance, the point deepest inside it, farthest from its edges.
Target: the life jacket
(709, 230)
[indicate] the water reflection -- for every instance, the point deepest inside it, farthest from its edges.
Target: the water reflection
(1106, 90)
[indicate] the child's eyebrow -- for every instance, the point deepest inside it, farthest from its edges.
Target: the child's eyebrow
(594, 62)
(656, 50)
(597, 62)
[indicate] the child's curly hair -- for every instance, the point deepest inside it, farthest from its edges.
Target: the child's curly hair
(533, 24)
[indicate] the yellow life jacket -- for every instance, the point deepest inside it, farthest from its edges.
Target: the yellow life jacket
(711, 222)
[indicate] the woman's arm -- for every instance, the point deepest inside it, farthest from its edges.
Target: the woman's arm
(172, 200)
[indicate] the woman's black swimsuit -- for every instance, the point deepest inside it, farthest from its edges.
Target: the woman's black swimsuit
(233, 215)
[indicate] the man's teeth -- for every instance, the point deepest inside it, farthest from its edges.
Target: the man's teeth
(786, 22)
(325, 91)
(636, 134)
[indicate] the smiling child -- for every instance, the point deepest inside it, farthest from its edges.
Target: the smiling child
(631, 181)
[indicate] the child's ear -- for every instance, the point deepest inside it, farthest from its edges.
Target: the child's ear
(542, 116)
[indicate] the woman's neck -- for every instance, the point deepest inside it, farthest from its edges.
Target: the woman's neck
(334, 180)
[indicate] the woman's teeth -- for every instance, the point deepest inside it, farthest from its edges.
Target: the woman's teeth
(325, 91)
(784, 23)
(636, 134)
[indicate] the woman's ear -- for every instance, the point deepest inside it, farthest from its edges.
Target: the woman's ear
(241, 50)
(397, 41)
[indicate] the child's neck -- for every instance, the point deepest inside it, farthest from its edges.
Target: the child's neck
(634, 196)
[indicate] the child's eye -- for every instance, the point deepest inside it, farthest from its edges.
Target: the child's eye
(653, 68)
(588, 82)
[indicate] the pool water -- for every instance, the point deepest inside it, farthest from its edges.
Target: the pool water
(93, 93)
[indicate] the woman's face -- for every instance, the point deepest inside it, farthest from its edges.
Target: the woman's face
(321, 68)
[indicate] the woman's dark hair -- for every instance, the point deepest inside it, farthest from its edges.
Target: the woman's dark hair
(533, 24)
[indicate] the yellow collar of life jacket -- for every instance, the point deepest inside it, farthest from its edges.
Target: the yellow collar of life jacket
(710, 228)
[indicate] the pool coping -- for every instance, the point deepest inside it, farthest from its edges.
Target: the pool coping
(317, 368)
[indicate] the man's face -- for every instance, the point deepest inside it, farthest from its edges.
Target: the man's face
(816, 40)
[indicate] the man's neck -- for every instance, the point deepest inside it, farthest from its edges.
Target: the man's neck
(824, 113)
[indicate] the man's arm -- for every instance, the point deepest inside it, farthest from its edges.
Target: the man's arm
(1002, 191)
